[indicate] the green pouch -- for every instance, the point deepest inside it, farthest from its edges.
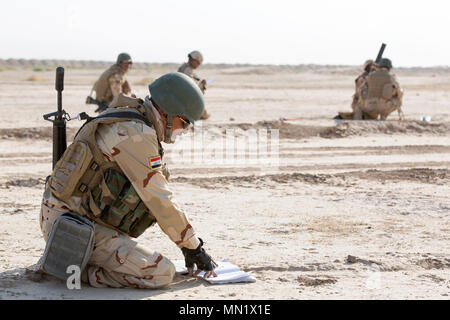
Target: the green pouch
(146, 221)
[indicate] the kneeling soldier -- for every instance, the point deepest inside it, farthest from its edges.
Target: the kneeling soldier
(384, 94)
(113, 175)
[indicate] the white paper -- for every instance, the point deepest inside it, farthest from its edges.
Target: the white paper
(226, 273)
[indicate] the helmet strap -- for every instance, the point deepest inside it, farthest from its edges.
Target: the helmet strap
(168, 137)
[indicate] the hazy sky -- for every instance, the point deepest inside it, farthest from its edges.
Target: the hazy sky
(231, 31)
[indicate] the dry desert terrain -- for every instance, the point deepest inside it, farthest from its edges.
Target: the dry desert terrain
(332, 210)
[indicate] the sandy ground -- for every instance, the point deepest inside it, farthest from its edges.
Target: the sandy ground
(348, 210)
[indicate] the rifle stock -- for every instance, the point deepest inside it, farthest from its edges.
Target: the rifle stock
(101, 105)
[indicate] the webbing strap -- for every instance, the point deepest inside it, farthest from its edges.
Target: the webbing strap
(124, 114)
(120, 114)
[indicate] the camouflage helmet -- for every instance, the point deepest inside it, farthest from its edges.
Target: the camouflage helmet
(196, 55)
(123, 57)
(385, 63)
(178, 95)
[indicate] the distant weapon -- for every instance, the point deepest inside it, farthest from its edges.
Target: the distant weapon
(101, 105)
(380, 53)
(60, 119)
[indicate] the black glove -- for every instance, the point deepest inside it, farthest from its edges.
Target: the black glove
(199, 257)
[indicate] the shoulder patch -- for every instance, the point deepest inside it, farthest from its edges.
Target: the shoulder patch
(154, 162)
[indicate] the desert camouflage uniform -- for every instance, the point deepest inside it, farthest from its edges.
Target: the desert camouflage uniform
(186, 69)
(110, 84)
(360, 89)
(382, 103)
(117, 260)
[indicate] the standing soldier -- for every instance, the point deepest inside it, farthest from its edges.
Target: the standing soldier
(383, 94)
(195, 60)
(112, 174)
(112, 82)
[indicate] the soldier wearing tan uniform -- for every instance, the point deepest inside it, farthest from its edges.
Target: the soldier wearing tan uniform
(360, 81)
(360, 93)
(113, 175)
(113, 81)
(195, 59)
(384, 94)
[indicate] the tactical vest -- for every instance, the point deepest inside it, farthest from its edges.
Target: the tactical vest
(107, 196)
(101, 87)
(380, 85)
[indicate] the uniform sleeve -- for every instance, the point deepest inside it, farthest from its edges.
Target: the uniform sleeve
(115, 84)
(398, 91)
(186, 69)
(126, 88)
(134, 147)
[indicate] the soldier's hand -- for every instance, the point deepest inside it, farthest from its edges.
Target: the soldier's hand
(203, 85)
(166, 171)
(201, 259)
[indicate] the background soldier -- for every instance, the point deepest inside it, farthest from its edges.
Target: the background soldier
(112, 82)
(383, 93)
(360, 93)
(195, 60)
(360, 81)
(112, 174)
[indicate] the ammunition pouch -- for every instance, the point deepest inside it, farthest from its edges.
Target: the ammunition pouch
(70, 169)
(116, 203)
(70, 242)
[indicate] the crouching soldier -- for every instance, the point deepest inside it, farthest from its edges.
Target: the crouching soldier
(111, 83)
(384, 94)
(112, 175)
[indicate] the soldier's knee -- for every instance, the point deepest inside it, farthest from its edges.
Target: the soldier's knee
(163, 275)
(166, 269)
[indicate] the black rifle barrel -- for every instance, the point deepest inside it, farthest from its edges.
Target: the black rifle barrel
(59, 83)
(59, 86)
(59, 125)
(380, 53)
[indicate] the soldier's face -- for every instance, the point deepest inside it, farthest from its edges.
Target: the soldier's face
(180, 126)
(181, 122)
(126, 65)
(194, 63)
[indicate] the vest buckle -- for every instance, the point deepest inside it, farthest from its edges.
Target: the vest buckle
(83, 188)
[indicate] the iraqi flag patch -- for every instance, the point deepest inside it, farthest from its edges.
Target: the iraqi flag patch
(155, 163)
